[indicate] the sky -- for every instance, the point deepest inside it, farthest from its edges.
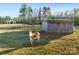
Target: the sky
(12, 9)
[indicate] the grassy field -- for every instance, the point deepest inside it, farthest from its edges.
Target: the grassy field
(14, 40)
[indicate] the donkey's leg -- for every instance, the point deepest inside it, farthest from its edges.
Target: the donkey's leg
(31, 41)
(38, 39)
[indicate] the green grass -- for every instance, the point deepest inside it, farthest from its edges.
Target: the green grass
(14, 40)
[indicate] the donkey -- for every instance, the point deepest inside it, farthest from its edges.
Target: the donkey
(34, 36)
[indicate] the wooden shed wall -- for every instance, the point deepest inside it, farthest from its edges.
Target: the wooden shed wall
(59, 26)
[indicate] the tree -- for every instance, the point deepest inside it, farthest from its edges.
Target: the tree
(0, 19)
(46, 12)
(7, 18)
(39, 15)
(29, 15)
(76, 16)
(66, 14)
(61, 15)
(23, 11)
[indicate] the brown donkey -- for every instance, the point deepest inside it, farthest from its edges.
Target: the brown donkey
(34, 36)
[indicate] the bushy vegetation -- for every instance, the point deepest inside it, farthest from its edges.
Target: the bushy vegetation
(76, 21)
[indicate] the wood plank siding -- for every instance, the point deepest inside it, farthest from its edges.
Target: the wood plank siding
(58, 26)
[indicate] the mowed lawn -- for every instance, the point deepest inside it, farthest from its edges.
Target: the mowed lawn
(14, 40)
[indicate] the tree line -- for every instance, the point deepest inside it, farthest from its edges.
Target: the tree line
(29, 15)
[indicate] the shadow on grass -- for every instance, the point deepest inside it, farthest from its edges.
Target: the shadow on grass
(20, 39)
(47, 37)
(7, 51)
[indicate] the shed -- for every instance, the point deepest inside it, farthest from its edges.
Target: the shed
(58, 25)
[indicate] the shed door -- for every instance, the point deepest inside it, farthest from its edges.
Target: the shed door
(44, 26)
